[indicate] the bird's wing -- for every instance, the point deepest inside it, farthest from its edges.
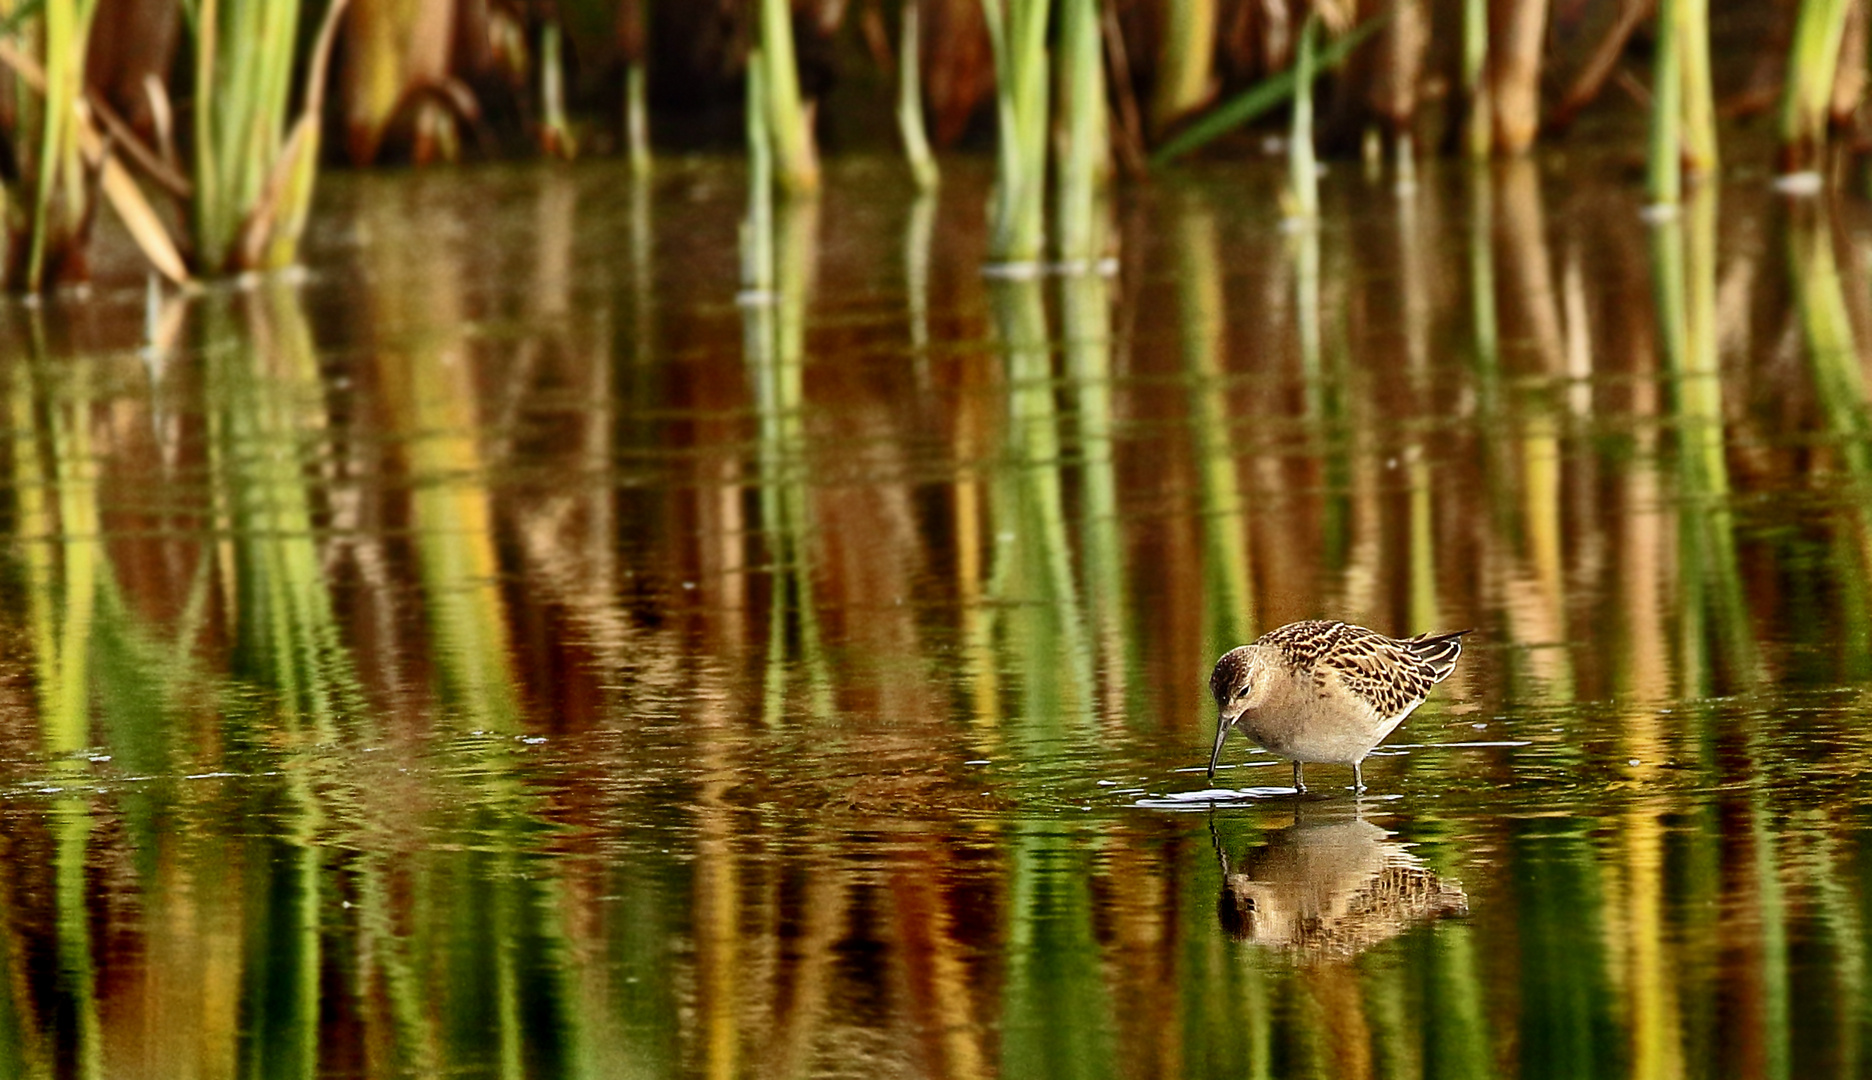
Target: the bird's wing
(1391, 676)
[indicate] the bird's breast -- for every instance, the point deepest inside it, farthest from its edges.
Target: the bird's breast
(1311, 722)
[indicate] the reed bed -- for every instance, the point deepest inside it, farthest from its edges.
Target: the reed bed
(618, 77)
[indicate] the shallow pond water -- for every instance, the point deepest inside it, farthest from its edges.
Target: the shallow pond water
(515, 648)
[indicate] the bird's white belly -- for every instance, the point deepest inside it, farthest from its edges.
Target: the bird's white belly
(1304, 731)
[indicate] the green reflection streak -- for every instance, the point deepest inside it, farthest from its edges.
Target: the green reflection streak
(774, 340)
(1766, 871)
(1832, 353)
(492, 966)
(1566, 1022)
(1484, 318)
(1057, 1019)
(919, 233)
(1712, 602)
(62, 600)
(61, 608)
(385, 954)
(432, 401)
(1032, 562)
(71, 820)
(266, 419)
(1227, 1006)
(1397, 1047)
(1229, 609)
(1425, 610)
(1456, 1032)
(1086, 325)
(1843, 931)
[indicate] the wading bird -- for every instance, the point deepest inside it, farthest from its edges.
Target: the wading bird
(1325, 691)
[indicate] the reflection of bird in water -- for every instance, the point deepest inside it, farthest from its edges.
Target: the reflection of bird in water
(1326, 691)
(1330, 889)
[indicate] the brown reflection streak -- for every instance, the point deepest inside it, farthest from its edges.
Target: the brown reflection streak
(717, 926)
(1335, 989)
(802, 973)
(930, 961)
(1531, 586)
(975, 431)
(190, 996)
(1142, 958)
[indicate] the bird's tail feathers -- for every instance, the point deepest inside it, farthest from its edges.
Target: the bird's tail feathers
(1439, 651)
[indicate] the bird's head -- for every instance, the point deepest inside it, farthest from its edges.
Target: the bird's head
(1238, 684)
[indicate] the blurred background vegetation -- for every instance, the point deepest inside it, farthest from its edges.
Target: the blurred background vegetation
(202, 122)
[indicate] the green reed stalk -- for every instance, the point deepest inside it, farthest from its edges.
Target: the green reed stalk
(1302, 165)
(243, 67)
(1664, 169)
(757, 260)
(1263, 96)
(54, 232)
(1017, 35)
(1184, 75)
(555, 129)
(1088, 138)
(1478, 135)
(637, 118)
(1700, 153)
(1807, 94)
(788, 117)
(910, 101)
(254, 175)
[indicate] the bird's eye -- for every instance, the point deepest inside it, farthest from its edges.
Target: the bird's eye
(1242, 693)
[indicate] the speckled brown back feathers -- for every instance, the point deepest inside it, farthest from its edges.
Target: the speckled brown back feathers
(1391, 675)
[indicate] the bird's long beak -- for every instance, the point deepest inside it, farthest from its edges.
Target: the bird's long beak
(1222, 730)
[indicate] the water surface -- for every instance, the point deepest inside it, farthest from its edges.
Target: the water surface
(515, 648)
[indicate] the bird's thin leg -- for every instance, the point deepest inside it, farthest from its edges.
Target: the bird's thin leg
(1358, 777)
(1299, 784)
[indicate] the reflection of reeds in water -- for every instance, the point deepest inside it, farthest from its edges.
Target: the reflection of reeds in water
(1229, 616)
(487, 935)
(1056, 1016)
(264, 375)
(1085, 323)
(432, 399)
(63, 562)
(774, 343)
(1832, 352)
(1032, 558)
(1711, 605)
(63, 551)
(1514, 298)
(778, 254)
